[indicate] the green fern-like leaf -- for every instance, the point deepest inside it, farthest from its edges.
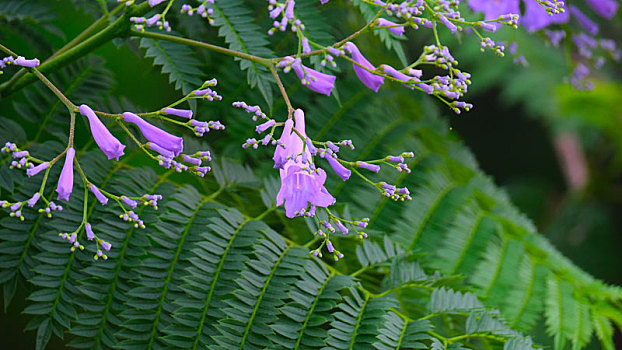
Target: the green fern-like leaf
(242, 34)
(177, 61)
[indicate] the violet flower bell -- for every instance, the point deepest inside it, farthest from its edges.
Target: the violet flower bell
(156, 135)
(104, 139)
(391, 27)
(301, 183)
(184, 113)
(368, 78)
(590, 26)
(65, 181)
(343, 172)
(605, 8)
(281, 151)
(37, 169)
(314, 80)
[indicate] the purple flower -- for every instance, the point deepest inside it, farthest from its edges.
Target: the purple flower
(21, 61)
(536, 17)
(20, 154)
(153, 3)
(300, 184)
(495, 9)
(100, 197)
(370, 80)
(341, 227)
(32, 201)
(371, 167)
(166, 153)
(276, 12)
(489, 27)
(39, 168)
(449, 24)
(192, 160)
(151, 21)
(184, 113)
(341, 171)
(280, 153)
(158, 136)
(300, 187)
(106, 245)
(399, 31)
(310, 146)
(130, 202)
(314, 80)
(65, 181)
(604, 8)
(289, 10)
(265, 126)
(401, 76)
(89, 232)
(395, 73)
(329, 247)
(305, 46)
(111, 147)
(584, 20)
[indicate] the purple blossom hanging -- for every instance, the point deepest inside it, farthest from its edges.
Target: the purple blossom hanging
(156, 135)
(392, 27)
(301, 184)
(104, 139)
(370, 80)
(65, 181)
(281, 152)
(314, 80)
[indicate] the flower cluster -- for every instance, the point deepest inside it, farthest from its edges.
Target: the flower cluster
(254, 110)
(169, 148)
(203, 10)
(19, 61)
(288, 18)
(302, 191)
(541, 14)
(140, 23)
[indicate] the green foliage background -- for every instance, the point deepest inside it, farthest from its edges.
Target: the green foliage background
(219, 267)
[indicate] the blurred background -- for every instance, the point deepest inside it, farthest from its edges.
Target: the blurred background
(555, 150)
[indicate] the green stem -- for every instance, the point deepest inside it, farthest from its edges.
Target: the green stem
(159, 36)
(290, 109)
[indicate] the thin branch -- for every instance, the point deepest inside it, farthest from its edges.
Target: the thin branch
(290, 109)
(263, 61)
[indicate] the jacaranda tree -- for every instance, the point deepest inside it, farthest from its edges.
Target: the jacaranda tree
(331, 208)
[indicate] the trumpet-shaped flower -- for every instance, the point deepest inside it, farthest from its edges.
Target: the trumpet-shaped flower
(301, 183)
(65, 181)
(341, 171)
(314, 80)
(587, 24)
(368, 78)
(39, 168)
(391, 27)
(281, 152)
(156, 135)
(104, 139)
(605, 8)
